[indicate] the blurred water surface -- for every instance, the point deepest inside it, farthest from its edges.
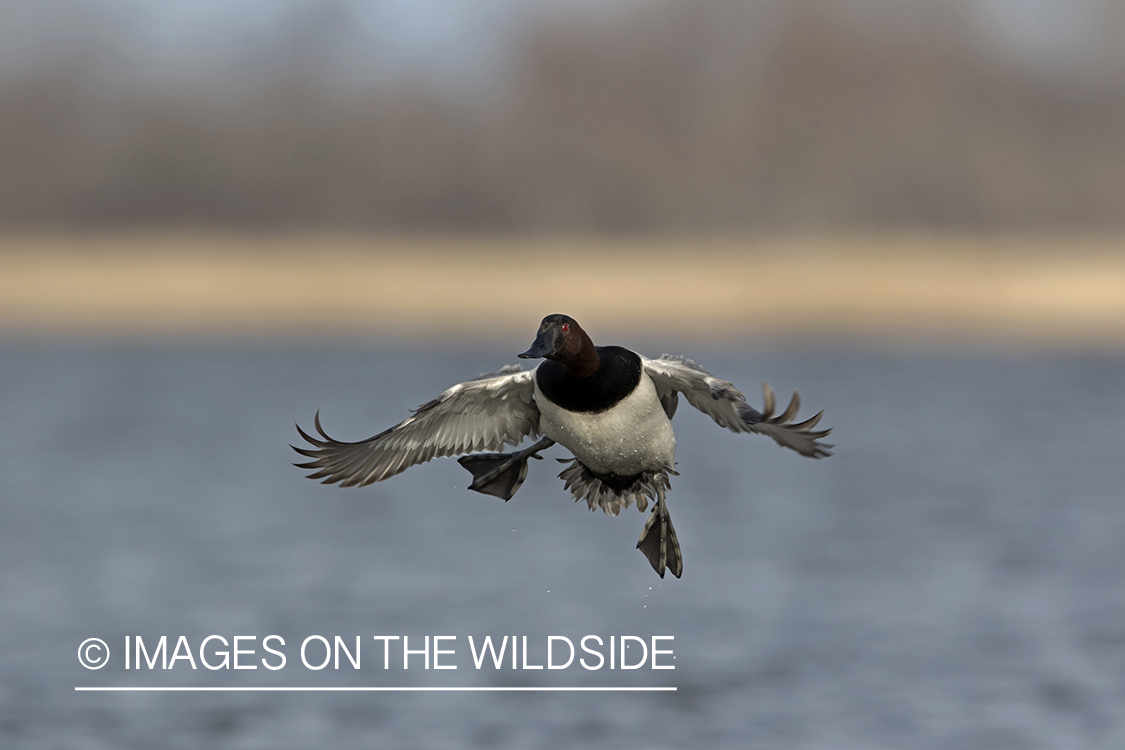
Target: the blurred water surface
(953, 578)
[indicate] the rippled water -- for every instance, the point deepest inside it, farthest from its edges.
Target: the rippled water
(953, 578)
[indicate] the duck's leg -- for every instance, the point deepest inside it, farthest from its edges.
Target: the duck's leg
(501, 474)
(658, 539)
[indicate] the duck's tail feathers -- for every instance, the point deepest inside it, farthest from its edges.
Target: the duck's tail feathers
(612, 493)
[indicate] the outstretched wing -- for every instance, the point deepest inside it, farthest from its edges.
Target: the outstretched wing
(484, 414)
(725, 404)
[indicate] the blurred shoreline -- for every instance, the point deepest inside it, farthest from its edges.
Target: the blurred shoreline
(1037, 290)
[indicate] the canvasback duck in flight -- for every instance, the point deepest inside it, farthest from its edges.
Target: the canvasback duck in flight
(611, 407)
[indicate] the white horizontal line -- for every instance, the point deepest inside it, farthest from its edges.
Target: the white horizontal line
(500, 689)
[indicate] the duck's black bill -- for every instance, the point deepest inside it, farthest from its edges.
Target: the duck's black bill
(539, 348)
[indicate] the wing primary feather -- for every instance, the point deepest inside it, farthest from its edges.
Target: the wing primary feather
(304, 451)
(768, 401)
(810, 423)
(792, 409)
(314, 441)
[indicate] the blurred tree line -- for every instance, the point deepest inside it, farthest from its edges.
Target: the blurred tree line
(667, 116)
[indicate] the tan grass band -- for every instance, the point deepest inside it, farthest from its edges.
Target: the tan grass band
(1053, 290)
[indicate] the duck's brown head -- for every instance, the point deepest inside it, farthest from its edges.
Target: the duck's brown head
(562, 340)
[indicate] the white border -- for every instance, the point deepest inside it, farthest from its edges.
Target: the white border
(501, 689)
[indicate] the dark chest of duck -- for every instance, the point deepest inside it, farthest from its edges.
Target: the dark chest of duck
(619, 371)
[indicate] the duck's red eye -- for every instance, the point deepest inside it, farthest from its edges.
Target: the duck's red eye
(565, 327)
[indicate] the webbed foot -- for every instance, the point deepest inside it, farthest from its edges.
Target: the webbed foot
(501, 474)
(658, 540)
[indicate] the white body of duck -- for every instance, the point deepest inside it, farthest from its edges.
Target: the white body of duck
(633, 436)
